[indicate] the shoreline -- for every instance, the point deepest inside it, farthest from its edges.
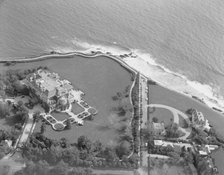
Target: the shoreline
(96, 53)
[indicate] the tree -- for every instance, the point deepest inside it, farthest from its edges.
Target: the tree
(155, 120)
(42, 167)
(64, 142)
(36, 116)
(20, 172)
(59, 169)
(172, 131)
(4, 110)
(20, 116)
(97, 146)
(43, 128)
(30, 168)
(190, 111)
(20, 103)
(68, 124)
(52, 155)
(19, 88)
(123, 149)
(189, 157)
(25, 149)
(110, 154)
(70, 156)
(84, 143)
(134, 158)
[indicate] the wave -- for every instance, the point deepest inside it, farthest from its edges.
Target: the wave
(147, 65)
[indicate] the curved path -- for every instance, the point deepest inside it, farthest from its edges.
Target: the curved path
(176, 114)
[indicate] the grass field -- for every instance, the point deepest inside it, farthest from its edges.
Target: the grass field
(160, 167)
(99, 78)
(60, 116)
(160, 95)
(76, 108)
(162, 115)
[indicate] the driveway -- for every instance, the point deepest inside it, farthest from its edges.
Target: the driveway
(176, 114)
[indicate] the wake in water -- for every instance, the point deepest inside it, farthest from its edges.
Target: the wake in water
(145, 64)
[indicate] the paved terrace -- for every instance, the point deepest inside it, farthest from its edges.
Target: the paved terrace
(74, 118)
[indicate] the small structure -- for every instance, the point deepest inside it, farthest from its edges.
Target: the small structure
(158, 128)
(173, 144)
(205, 150)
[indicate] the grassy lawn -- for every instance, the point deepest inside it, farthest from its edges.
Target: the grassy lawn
(60, 116)
(172, 170)
(160, 167)
(160, 95)
(76, 108)
(182, 122)
(99, 78)
(162, 115)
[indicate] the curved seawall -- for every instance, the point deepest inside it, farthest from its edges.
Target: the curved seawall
(128, 60)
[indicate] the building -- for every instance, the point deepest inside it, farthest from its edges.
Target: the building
(199, 120)
(158, 128)
(47, 87)
(205, 150)
(198, 117)
(172, 144)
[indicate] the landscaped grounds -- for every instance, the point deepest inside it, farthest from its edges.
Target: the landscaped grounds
(99, 78)
(163, 115)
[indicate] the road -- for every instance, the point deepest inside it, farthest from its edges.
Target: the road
(144, 100)
(29, 125)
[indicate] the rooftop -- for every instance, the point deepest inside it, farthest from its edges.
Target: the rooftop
(158, 126)
(49, 83)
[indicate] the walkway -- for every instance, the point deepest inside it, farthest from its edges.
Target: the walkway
(143, 100)
(176, 114)
(29, 124)
(74, 118)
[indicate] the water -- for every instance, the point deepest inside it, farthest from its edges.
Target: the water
(185, 37)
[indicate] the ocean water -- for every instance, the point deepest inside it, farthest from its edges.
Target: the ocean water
(182, 41)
